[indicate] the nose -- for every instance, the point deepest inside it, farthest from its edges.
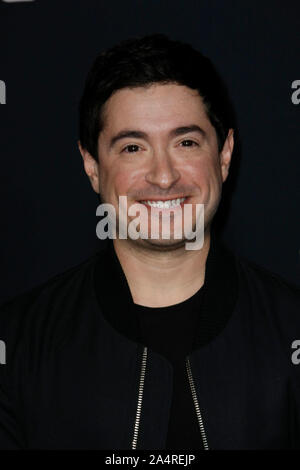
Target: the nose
(162, 172)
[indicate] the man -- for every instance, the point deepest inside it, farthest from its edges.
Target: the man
(148, 344)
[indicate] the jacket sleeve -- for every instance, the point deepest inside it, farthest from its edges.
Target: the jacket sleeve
(295, 412)
(10, 429)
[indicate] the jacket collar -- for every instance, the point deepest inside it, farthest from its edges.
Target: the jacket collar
(219, 297)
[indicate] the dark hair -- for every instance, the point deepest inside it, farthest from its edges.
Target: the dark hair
(142, 61)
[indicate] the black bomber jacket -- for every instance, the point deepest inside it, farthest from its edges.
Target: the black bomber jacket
(76, 374)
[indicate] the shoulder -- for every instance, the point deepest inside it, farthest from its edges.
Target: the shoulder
(259, 276)
(55, 296)
(269, 294)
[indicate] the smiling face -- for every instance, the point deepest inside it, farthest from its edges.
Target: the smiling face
(157, 144)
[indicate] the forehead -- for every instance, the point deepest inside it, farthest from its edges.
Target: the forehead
(158, 107)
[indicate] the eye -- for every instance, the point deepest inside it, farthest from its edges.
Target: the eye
(131, 148)
(188, 143)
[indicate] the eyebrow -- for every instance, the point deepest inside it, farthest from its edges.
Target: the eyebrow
(143, 135)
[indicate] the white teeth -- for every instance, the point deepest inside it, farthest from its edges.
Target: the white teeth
(165, 204)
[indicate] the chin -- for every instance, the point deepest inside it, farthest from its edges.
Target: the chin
(161, 244)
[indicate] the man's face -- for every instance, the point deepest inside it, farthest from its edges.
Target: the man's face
(157, 144)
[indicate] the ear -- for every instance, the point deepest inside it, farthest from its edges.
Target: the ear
(226, 154)
(91, 167)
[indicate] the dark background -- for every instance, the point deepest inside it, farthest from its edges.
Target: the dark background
(48, 208)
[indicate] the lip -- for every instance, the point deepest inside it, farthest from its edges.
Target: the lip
(186, 201)
(155, 199)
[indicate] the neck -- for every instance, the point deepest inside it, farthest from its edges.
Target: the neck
(162, 278)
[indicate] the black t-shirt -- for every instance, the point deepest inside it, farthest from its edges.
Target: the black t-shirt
(170, 332)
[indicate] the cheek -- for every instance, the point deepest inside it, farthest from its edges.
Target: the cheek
(197, 173)
(204, 175)
(122, 183)
(119, 181)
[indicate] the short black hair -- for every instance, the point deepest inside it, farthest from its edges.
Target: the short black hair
(142, 61)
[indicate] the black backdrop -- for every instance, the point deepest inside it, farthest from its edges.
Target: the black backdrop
(47, 206)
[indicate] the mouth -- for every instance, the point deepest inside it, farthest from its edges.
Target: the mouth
(165, 204)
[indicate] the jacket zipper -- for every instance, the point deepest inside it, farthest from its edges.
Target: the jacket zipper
(196, 403)
(140, 399)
